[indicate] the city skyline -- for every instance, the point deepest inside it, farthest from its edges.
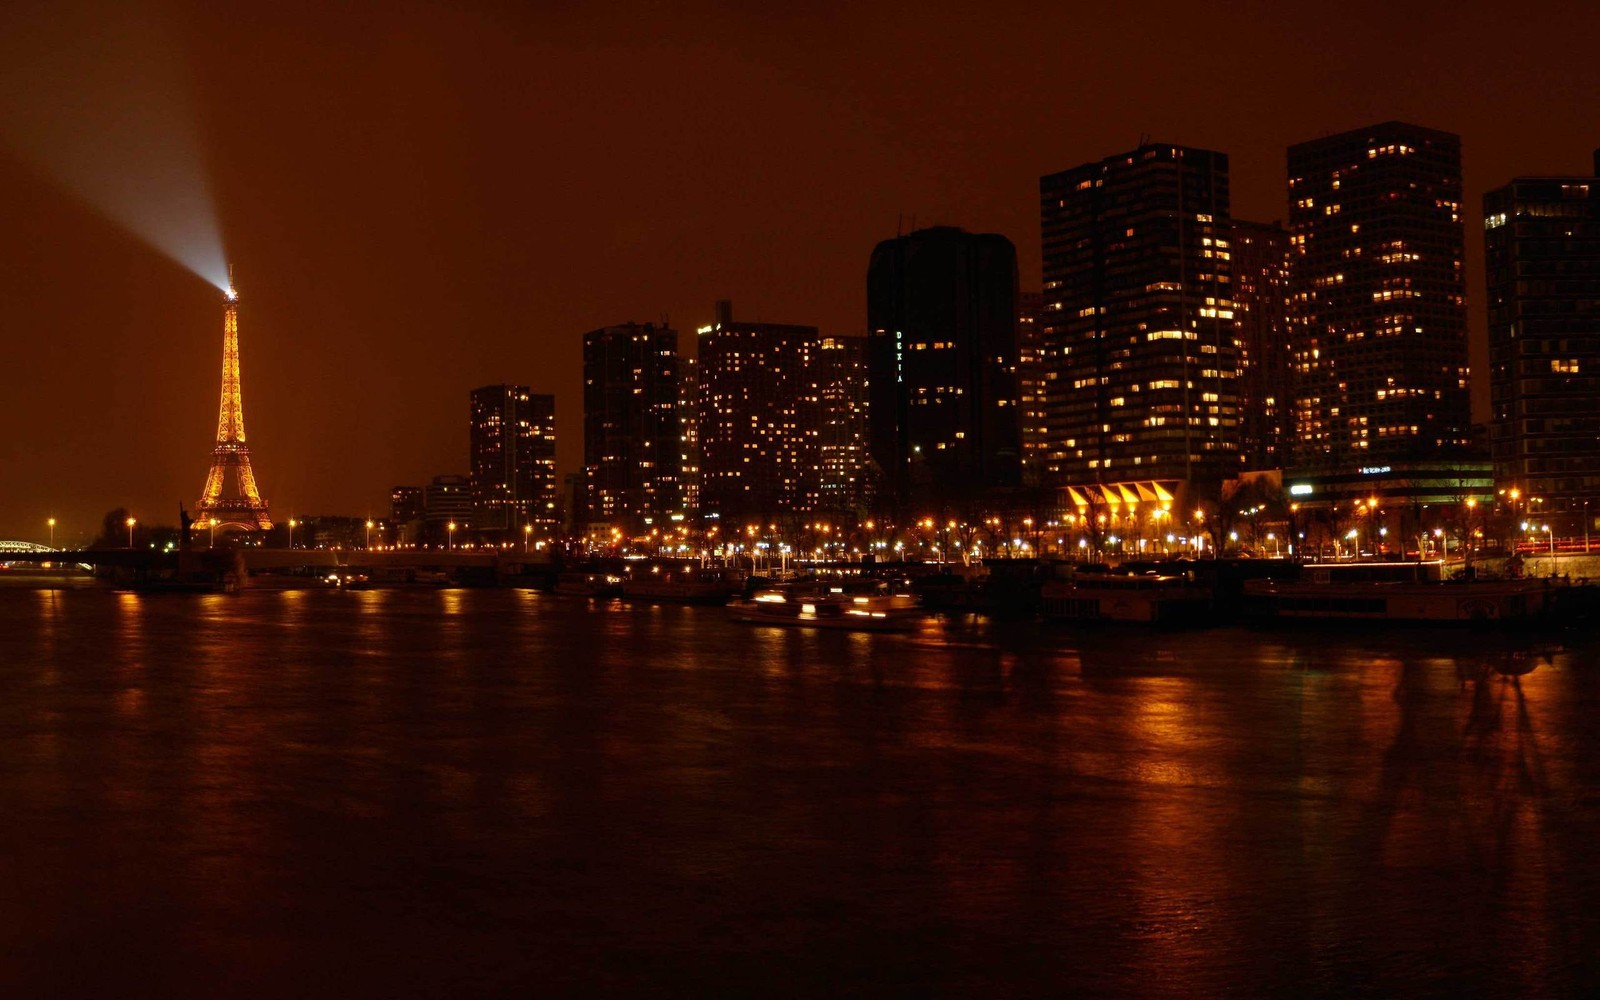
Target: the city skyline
(348, 300)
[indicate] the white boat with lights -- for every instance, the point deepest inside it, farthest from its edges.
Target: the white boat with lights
(830, 608)
(1399, 592)
(1142, 598)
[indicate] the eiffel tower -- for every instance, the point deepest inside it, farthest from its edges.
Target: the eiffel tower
(246, 509)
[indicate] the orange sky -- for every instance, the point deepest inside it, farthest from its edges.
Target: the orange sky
(421, 199)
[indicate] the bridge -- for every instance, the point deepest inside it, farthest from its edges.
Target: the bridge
(24, 548)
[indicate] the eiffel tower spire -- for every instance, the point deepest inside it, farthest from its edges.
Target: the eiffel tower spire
(245, 509)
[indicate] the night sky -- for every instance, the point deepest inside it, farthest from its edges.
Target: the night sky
(420, 199)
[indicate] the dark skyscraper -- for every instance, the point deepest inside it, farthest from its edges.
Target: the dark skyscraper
(632, 442)
(513, 458)
(1378, 291)
(759, 424)
(942, 355)
(1138, 319)
(1542, 242)
(1266, 363)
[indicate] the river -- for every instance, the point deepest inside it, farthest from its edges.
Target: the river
(500, 792)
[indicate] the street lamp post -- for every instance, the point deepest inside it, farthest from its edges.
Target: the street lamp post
(292, 523)
(131, 523)
(212, 523)
(369, 534)
(450, 537)
(527, 532)
(52, 523)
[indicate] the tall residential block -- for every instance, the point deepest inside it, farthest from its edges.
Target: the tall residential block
(1378, 296)
(759, 425)
(1542, 242)
(843, 404)
(632, 442)
(1031, 382)
(512, 439)
(1138, 319)
(689, 433)
(942, 343)
(1266, 362)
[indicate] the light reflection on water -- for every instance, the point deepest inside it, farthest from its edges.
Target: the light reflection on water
(469, 791)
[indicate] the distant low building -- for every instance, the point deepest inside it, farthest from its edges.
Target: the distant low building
(408, 511)
(447, 500)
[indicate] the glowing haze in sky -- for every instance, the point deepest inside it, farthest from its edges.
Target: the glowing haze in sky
(427, 197)
(94, 98)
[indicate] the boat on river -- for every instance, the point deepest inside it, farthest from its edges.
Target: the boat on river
(832, 607)
(683, 585)
(1142, 598)
(1414, 592)
(589, 583)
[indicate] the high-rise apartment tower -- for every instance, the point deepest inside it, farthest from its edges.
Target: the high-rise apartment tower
(1378, 296)
(1138, 320)
(632, 441)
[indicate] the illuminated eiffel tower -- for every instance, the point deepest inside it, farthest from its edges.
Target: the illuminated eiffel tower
(245, 509)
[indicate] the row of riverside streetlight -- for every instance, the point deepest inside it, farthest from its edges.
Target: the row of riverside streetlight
(940, 536)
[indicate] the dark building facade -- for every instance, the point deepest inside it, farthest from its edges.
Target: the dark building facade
(632, 442)
(942, 356)
(759, 429)
(1542, 243)
(407, 504)
(1138, 319)
(1260, 258)
(1378, 286)
(512, 438)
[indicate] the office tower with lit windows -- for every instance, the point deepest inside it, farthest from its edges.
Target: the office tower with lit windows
(1378, 296)
(1138, 319)
(1542, 244)
(632, 443)
(842, 457)
(512, 439)
(758, 424)
(942, 356)
(1260, 258)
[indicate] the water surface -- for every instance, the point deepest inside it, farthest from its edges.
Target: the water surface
(495, 792)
